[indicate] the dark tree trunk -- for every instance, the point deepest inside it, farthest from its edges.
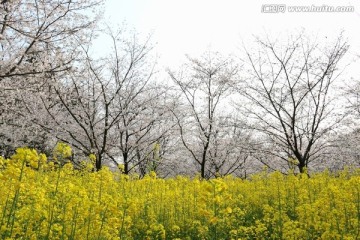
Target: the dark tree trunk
(302, 166)
(98, 163)
(126, 163)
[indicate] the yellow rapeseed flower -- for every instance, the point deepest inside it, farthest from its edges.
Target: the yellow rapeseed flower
(62, 151)
(68, 203)
(30, 156)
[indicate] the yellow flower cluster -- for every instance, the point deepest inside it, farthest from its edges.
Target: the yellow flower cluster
(63, 151)
(38, 201)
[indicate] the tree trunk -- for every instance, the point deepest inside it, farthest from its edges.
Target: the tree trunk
(203, 169)
(98, 162)
(302, 166)
(203, 160)
(126, 163)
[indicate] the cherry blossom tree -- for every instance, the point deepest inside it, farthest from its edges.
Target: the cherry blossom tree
(289, 99)
(109, 106)
(203, 87)
(38, 40)
(38, 36)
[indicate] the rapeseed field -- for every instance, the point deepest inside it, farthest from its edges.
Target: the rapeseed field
(43, 200)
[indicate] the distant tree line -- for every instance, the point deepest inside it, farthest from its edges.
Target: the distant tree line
(277, 104)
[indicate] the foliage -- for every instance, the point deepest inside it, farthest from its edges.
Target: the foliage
(42, 201)
(38, 37)
(290, 99)
(215, 115)
(207, 131)
(39, 42)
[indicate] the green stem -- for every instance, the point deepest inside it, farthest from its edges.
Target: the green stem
(15, 201)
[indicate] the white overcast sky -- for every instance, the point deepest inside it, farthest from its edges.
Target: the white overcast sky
(182, 27)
